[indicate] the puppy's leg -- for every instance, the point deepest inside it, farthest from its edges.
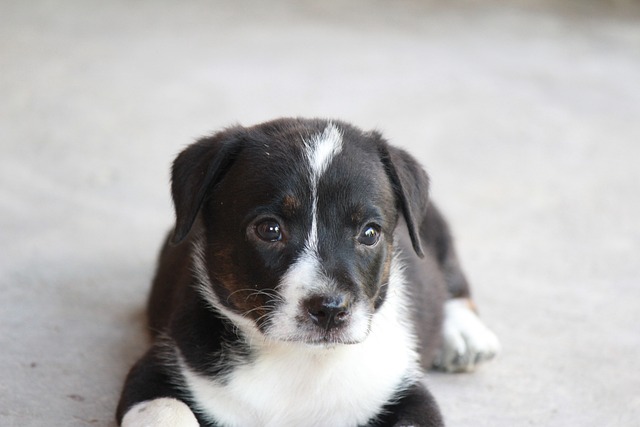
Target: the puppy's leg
(416, 408)
(151, 398)
(466, 340)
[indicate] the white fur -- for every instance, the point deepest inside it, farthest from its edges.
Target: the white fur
(293, 384)
(163, 412)
(467, 341)
(320, 151)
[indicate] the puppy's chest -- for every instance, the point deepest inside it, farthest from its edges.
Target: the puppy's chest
(288, 385)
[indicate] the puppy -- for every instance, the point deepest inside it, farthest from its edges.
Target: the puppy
(307, 282)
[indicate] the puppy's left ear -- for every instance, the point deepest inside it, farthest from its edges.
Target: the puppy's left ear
(410, 186)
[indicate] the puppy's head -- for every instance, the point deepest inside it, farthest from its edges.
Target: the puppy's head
(296, 224)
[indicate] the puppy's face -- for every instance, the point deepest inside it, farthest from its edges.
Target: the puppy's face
(298, 232)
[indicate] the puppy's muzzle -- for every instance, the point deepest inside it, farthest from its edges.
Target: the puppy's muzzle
(328, 312)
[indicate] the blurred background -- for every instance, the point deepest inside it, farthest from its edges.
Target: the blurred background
(525, 114)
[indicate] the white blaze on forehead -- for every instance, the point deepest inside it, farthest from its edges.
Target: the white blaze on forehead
(322, 148)
(320, 151)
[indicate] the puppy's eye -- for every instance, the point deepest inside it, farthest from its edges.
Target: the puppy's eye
(370, 235)
(269, 231)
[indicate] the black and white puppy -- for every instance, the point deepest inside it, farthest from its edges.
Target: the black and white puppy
(308, 282)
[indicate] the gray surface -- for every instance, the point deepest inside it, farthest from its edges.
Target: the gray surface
(527, 118)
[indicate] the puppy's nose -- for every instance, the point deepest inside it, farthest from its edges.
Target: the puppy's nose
(328, 311)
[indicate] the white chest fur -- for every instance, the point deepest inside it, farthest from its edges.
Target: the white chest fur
(290, 384)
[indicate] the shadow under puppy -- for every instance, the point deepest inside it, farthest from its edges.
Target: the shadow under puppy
(308, 282)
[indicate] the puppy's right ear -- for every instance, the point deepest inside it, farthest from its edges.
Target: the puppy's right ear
(195, 171)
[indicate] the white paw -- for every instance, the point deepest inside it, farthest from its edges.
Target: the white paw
(164, 412)
(467, 342)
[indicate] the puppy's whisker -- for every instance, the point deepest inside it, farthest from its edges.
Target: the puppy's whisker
(267, 308)
(259, 319)
(246, 313)
(269, 293)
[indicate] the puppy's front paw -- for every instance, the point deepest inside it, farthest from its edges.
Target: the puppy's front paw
(467, 342)
(163, 412)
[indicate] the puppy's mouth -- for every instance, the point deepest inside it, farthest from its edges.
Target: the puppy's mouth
(331, 342)
(327, 340)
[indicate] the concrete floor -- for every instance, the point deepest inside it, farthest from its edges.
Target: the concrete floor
(527, 117)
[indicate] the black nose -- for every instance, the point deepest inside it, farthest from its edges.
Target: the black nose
(328, 312)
